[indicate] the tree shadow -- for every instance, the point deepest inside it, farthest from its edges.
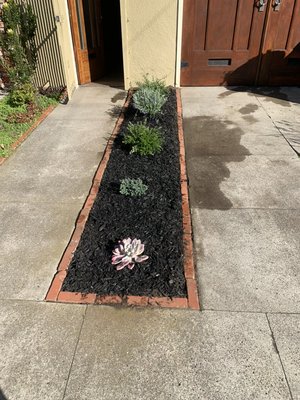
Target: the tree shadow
(279, 79)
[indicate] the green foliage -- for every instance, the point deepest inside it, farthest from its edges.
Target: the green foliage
(22, 95)
(17, 43)
(133, 187)
(149, 101)
(143, 140)
(153, 83)
(14, 121)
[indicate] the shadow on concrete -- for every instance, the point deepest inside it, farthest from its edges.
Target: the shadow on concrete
(276, 95)
(119, 96)
(2, 397)
(276, 69)
(211, 144)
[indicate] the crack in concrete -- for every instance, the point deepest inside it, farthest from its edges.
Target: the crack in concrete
(74, 353)
(279, 356)
(275, 125)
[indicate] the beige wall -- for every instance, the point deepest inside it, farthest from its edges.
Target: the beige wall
(149, 30)
(65, 41)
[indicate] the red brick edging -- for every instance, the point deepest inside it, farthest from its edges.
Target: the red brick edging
(192, 301)
(21, 139)
(189, 264)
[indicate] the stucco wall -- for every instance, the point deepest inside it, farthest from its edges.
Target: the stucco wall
(149, 30)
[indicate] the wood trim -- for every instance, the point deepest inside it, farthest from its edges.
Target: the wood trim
(179, 42)
(81, 55)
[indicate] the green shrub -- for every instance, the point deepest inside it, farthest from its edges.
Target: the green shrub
(149, 101)
(133, 187)
(18, 58)
(22, 95)
(153, 83)
(143, 140)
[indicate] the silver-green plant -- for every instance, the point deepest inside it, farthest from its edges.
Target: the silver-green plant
(133, 187)
(149, 101)
(153, 83)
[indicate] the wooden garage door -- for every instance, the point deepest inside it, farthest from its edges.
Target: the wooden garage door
(240, 42)
(280, 63)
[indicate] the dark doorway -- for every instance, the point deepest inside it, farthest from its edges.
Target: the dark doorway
(112, 37)
(97, 37)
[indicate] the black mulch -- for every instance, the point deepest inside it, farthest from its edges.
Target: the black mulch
(156, 219)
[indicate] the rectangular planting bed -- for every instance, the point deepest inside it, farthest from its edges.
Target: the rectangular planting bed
(160, 219)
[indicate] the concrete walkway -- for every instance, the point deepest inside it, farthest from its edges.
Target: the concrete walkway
(244, 184)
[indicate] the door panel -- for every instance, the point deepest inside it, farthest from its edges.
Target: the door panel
(236, 42)
(221, 42)
(94, 34)
(87, 32)
(220, 24)
(79, 40)
(281, 45)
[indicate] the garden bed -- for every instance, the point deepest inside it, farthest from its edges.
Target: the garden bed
(160, 219)
(16, 123)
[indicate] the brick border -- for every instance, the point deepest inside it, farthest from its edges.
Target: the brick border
(189, 263)
(21, 139)
(55, 294)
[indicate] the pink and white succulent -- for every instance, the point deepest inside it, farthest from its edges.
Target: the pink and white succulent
(127, 253)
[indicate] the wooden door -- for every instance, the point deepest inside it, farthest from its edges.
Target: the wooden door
(280, 63)
(241, 42)
(79, 41)
(94, 36)
(221, 42)
(87, 32)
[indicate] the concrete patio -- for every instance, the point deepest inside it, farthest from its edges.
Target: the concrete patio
(245, 200)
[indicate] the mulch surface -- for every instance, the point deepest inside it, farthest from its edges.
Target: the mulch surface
(155, 218)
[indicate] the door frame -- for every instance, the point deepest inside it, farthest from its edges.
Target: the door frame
(179, 42)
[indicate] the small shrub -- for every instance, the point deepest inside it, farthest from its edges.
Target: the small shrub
(21, 117)
(153, 83)
(133, 187)
(24, 94)
(149, 101)
(143, 140)
(18, 49)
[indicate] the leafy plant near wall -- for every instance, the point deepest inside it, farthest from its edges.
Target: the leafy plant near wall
(17, 43)
(133, 187)
(143, 139)
(23, 94)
